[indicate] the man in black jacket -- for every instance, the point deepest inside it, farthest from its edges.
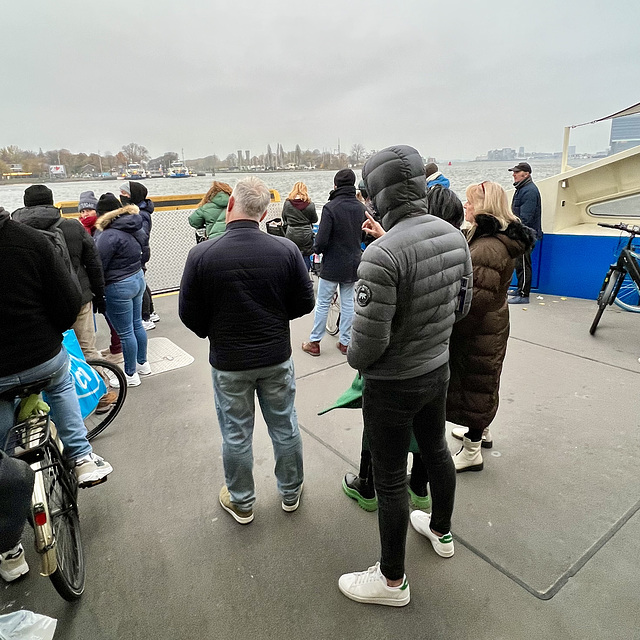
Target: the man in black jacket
(240, 290)
(38, 301)
(527, 205)
(40, 213)
(339, 241)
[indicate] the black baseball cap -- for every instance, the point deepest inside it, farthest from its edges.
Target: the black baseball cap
(522, 166)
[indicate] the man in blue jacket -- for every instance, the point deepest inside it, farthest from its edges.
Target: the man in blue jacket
(339, 241)
(240, 290)
(527, 205)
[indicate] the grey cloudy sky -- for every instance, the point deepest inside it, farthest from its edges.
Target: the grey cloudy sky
(451, 78)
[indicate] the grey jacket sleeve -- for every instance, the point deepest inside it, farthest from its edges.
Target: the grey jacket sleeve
(375, 307)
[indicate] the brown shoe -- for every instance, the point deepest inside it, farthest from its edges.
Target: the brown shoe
(243, 517)
(106, 401)
(343, 348)
(312, 348)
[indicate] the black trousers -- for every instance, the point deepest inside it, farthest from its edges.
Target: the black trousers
(391, 410)
(523, 274)
(147, 304)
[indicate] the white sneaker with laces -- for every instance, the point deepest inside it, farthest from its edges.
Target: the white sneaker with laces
(370, 587)
(442, 545)
(143, 369)
(154, 317)
(90, 469)
(132, 381)
(147, 325)
(13, 564)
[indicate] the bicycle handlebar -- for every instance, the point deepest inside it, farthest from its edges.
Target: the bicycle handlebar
(633, 229)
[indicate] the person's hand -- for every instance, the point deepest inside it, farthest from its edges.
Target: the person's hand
(99, 305)
(372, 227)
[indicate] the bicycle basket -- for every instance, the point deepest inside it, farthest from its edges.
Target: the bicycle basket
(25, 440)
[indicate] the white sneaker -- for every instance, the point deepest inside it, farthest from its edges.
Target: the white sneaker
(154, 317)
(371, 587)
(147, 325)
(143, 369)
(132, 381)
(90, 469)
(442, 545)
(13, 564)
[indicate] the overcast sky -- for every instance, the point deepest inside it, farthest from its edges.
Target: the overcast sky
(451, 78)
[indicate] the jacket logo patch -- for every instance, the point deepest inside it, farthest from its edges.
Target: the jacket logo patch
(363, 295)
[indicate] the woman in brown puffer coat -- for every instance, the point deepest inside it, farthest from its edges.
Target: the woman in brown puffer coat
(479, 341)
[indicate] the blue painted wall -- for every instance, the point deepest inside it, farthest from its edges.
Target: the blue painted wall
(573, 265)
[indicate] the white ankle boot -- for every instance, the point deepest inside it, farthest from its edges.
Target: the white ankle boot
(469, 458)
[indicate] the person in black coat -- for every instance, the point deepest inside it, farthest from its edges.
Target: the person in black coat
(136, 193)
(40, 213)
(240, 290)
(339, 241)
(526, 205)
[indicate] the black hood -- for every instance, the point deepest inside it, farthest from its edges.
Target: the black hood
(395, 181)
(41, 216)
(138, 192)
(4, 216)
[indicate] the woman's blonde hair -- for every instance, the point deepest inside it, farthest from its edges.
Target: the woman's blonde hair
(215, 189)
(490, 198)
(299, 192)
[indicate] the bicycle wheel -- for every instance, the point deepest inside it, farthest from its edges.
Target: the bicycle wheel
(607, 295)
(61, 491)
(628, 297)
(96, 423)
(333, 319)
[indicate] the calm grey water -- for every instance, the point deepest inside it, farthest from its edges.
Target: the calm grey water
(319, 183)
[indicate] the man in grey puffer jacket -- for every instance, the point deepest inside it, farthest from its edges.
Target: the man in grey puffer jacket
(414, 282)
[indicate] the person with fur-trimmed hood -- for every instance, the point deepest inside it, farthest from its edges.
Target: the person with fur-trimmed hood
(124, 248)
(496, 238)
(414, 282)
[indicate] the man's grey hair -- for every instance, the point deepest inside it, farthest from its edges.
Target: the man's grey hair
(252, 197)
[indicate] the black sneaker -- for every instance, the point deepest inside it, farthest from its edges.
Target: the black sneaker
(361, 491)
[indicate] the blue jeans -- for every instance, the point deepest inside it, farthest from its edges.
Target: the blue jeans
(124, 310)
(326, 289)
(235, 393)
(61, 396)
(391, 410)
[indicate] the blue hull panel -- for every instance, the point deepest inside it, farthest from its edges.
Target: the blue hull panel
(573, 265)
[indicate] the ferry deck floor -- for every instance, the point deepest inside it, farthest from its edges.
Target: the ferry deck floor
(547, 536)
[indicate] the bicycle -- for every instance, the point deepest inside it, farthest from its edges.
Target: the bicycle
(96, 423)
(622, 282)
(54, 508)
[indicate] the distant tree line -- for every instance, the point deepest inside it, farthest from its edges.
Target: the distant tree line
(38, 163)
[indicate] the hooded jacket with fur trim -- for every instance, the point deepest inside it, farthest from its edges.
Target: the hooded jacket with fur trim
(122, 243)
(479, 341)
(410, 279)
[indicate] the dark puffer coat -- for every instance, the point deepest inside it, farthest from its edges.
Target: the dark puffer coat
(122, 243)
(479, 341)
(297, 218)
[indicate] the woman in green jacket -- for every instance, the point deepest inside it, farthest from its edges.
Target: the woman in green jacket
(212, 210)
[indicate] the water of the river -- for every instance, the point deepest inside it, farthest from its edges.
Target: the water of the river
(319, 183)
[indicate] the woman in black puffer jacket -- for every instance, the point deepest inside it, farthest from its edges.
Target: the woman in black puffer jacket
(298, 214)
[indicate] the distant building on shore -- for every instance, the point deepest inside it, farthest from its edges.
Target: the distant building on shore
(625, 133)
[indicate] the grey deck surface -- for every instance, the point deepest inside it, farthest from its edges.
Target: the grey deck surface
(547, 535)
